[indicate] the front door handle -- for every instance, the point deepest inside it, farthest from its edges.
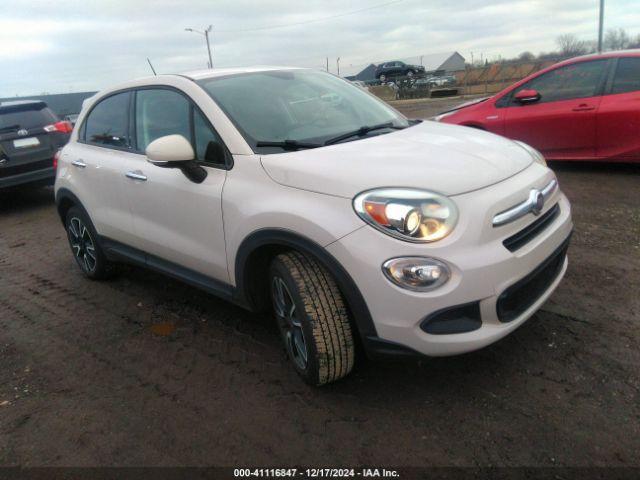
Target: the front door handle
(137, 175)
(583, 107)
(79, 164)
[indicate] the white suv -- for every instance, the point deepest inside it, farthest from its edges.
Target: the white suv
(292, 189)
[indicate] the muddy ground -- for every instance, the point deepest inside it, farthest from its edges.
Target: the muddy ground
(142, 370)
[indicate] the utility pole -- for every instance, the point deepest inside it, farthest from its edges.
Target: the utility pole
(206, 36)
(338, 65)
(327, 64)
(600, 26)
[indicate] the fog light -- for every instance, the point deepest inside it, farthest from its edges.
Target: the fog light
(416, 273)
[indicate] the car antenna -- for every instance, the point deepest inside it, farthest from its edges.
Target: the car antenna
(152, 69)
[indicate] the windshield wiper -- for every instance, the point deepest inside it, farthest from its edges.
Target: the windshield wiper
(288, 144)
(362, 131)
(9, 128)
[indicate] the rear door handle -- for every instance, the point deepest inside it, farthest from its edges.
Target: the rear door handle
(137, 175)
(79, 164)
(583, 107)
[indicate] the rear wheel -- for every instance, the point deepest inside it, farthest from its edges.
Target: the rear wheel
(84, 246)
(312, 318)
(410, 73)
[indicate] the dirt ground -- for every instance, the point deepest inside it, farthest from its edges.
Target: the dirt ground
(141, 370)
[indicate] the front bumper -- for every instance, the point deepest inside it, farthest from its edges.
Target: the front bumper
(483, 269)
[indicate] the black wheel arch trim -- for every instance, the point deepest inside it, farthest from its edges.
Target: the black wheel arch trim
(65, 194)
(289, 239)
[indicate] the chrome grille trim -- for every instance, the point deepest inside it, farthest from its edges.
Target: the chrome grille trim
(530, 205)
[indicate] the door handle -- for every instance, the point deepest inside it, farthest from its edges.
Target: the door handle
(137, 175)
(583, 107)
(79, 164)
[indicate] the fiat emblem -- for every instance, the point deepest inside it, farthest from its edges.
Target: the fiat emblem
(537, 201)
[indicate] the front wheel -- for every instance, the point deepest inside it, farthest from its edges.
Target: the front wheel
(312, 317)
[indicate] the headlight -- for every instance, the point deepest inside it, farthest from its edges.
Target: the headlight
(407, 214)
(537, 156)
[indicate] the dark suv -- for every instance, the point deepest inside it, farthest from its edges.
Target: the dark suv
(397, 69)
(30, 136)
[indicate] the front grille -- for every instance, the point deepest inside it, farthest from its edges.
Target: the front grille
(524, 236)
(521, 295)
(8, 171)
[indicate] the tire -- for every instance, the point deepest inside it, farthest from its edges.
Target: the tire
(313, 318)
(410, 73)
(84, 246)
(382, 78)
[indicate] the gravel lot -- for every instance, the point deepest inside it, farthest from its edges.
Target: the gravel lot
(142, 370)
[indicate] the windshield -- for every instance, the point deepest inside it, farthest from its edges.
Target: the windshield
(297, 105)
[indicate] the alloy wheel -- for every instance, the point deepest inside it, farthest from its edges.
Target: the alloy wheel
(82, 245)
(289, 322)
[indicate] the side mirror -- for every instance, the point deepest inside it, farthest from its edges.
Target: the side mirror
(527, 96)
(165, 151)
(175, 151)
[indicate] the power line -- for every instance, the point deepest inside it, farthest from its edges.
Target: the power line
(284, 25)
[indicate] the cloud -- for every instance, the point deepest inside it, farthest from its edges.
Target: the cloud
(86, 45)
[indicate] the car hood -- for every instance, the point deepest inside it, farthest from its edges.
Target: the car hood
(448, 159)
(468, 104)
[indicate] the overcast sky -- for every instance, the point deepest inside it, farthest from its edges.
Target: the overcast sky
(77, 45)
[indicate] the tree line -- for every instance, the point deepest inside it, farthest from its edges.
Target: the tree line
(569, 45)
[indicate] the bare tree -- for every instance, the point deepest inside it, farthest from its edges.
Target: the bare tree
(616, 39)
(635, 43)
(526, 57)
(570, 46)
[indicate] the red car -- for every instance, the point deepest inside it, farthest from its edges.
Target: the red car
(585, 108)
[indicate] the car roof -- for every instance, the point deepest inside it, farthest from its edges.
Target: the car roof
(191, 75)
(16, 103)
(592, 56)
(21, 105)
(223, 72)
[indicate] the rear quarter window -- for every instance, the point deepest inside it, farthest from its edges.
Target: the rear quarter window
(108, 122)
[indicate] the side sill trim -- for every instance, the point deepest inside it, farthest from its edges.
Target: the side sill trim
(116, 251)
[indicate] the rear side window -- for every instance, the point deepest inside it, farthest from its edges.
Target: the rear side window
(627, 77)
(26, 116)
(578, 80)
(108, 122)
